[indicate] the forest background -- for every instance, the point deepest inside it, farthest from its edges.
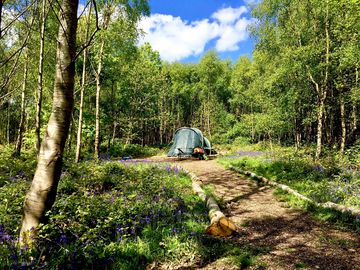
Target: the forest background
(299, 90)
(301, 86)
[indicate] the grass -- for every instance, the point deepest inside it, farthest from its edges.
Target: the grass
(328, 180)
(112, 215)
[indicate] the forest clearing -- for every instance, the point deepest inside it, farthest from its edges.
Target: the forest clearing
(139, 134)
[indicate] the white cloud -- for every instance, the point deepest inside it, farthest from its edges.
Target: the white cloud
(229, 15)
(177, 39)
(252, 2)
(232, 34)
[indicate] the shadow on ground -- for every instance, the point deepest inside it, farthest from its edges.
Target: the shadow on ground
(278, 237)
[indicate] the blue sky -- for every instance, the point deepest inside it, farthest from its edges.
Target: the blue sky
(183, 30)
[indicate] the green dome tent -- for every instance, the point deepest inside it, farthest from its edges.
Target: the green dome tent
(186, 139)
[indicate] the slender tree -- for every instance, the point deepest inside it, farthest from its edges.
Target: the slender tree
(22, 111)
(42, 193)
(106, 20)
(82, 90)
(39, 91)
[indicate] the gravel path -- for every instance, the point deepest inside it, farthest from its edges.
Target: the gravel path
(290, 238)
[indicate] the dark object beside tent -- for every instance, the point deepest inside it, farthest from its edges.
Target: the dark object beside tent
(186, 140)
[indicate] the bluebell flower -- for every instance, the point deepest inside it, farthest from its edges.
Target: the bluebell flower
(63, 239)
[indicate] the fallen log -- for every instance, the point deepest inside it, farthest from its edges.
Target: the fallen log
(220, 225)
(329, 205)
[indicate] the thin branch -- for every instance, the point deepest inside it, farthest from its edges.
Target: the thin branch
(18, 58)
(88, 43)
(84, 9)
(313, 81)
(8, 93)
(4, 62)
(1, 7)
(3, 98)
(58, 19)
(17, 17)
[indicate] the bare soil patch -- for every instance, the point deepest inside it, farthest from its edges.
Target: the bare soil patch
(291, 239)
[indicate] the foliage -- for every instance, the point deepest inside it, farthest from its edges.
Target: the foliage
(118, 215)
(120, 150)
(322, 183)
(14, 168)
(109, 214)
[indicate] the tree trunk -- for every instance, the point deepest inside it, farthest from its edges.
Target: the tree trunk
(42, 193)
(322, 92)
(106, 14)
(8, 123)
(1, 6)
(354, 110)
(19, 139)
(343, 125)
(252, 124)
(319, 133)
(162, 119)
(82, 89)
(97, 110)
(113, 133)
(220, 225)
(71, 132)
(40, 79)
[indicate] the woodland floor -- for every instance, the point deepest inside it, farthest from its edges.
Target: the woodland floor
(291, 238)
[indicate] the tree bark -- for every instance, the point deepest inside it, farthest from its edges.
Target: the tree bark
(319, 133)
(1, 7)
(40, 79)
(8, 122)
(162, 119)
(42, 193)
(354, 109)
(19, 139)
(107, 14)
(97, 109)
(220, 225)
(343, 125)
(322, 92)
(82, 90)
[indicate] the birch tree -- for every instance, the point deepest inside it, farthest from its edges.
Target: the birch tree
(40, 77)
(82, 90)
(42, 193)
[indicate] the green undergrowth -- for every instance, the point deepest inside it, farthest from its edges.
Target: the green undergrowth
(13, 168)
(327, 181)
(344, 220)
(119, 150)
(114, 215)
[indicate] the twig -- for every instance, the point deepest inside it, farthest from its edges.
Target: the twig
(88, 43)
(17, 59)
(17, 17)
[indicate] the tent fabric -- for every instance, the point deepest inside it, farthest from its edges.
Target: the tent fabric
(207, 146)
(185, 140)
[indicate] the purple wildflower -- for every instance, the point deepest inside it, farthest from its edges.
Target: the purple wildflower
(62, 239)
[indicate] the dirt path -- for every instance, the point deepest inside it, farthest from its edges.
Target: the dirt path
(291, 238)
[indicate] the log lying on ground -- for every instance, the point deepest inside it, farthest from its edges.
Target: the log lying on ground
(329, 205)
(220, 225)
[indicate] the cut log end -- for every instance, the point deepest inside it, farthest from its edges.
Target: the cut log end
(224, 227)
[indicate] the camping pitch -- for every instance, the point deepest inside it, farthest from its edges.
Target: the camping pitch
(189, 142)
